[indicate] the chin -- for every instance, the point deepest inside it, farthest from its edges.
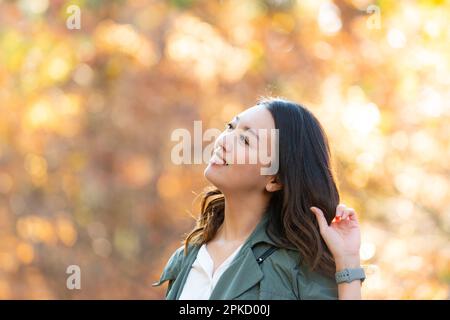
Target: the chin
(215, 175)
(209, 174)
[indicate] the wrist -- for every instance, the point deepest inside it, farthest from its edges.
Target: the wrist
(348, 276)
(351, 261)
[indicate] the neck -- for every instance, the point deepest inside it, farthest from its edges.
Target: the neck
(242, 214)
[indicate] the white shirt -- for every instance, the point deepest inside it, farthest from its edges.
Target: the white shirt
(201, 281)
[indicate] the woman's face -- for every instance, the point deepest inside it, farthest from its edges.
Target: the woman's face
(241, 151)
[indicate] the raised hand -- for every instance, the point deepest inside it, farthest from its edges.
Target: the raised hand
(342, 236)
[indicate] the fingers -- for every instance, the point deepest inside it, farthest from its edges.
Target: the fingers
(342, 213)
(346, 213)
(340, 210)
(352, 214)
(320, 218)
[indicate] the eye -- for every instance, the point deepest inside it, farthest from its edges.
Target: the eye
(228, 126)
(244, 139)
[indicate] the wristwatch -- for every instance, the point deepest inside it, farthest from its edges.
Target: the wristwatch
(349, 275)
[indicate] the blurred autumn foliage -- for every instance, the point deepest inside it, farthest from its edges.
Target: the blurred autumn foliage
(86, 117)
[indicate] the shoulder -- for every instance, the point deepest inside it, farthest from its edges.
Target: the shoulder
(173, 265)
(175, 259)
(178, 256)
(306, 283)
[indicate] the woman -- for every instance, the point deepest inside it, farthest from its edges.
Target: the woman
(269, 236)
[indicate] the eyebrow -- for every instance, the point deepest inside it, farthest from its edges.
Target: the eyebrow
(247, 128)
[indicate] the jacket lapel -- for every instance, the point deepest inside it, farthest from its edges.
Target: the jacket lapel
(242, 274)
(179, 282)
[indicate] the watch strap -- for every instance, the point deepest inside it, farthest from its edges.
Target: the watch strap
(348, 275)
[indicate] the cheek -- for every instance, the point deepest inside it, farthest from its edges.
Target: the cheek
(244, 154)
(246, 174)
(247, 163)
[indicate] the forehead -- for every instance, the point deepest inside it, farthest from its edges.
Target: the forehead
(257, 117)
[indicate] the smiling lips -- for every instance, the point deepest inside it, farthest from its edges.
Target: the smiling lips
(216, 159)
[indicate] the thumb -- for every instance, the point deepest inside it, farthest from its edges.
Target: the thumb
(320, 218)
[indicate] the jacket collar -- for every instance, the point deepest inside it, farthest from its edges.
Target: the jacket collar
(242, 274)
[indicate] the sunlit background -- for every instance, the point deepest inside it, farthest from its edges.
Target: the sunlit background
(86, 116)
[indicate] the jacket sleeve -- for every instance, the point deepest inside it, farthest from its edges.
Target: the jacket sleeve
(172, 268)
(315, 286)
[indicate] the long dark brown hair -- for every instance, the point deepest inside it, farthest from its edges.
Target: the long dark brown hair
(306, 176)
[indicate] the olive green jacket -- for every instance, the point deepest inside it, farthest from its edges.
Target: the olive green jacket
(278, 277)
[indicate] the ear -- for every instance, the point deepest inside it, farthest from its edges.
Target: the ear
(274, 184)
